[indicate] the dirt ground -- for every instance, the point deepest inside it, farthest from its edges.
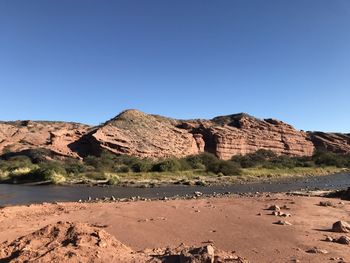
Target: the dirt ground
(240, 224)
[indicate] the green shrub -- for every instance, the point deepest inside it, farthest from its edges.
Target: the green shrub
(73, 166)
(330, 159)
(16, 162)
(195, 162)
(224, 167)
(141, 166)
(122, 169)
(168, 165)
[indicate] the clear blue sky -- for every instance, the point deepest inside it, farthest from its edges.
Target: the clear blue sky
(86, 61)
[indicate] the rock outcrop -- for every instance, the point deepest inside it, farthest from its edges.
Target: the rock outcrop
(18, 136)
(240, 134)
(135, 133)
(151, 136)
(333, 142)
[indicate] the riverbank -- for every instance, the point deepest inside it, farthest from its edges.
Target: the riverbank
(237, 223)
(11, 194)
(192, 178)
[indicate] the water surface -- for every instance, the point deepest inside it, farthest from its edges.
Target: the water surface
(24, 194)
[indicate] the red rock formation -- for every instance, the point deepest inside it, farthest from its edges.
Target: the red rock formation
(136, 133)
(54, 136)
(241, 134)
(333, 142)
(151, 136)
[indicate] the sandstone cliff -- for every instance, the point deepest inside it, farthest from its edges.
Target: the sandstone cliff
(139, 134)
(55, 136)
(135, 133)
(333, 142)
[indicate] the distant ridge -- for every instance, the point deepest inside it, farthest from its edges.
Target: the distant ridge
(136, 133)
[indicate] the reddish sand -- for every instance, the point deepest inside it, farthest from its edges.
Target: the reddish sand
(232, 224)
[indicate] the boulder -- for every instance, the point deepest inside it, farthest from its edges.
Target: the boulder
(341, 227)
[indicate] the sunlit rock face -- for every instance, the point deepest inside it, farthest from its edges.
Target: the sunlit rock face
(333, 142)
(135, 133)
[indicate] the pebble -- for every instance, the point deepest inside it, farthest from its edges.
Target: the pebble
(283, 223)
(316, 250)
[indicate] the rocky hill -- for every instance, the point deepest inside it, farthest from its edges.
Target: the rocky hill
(19, 136)
(135, 133)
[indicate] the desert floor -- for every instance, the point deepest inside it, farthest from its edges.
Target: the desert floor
(240, 224)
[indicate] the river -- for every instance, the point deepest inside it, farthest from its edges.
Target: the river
(24, 194)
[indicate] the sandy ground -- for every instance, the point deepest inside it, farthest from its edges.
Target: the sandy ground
(240, 224)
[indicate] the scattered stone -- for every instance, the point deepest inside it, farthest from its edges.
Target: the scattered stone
(316, 250)
(281, 214)
(340, 260)
(328, 239)
(274, 208)
(326, 203)
(202, 254)
(198, 194)
(346, 194)
(345, 240)
(341, 227)
(283, 223)
(285, 207)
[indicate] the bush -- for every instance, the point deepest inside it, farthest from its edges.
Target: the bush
(210, 161)
(16, 162)
(330, 159)
(103, 163)
(229, 168)
(168, 165)
(73, 166)
(122, 169)
(194, 162)
(224, 167)
(141, 166)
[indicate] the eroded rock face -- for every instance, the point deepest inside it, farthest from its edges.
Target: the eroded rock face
(227, 136)
(333, 142)
(151, 136)
(136, 133)
(54, 136)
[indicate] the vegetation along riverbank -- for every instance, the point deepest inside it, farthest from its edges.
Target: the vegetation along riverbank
(200, 169)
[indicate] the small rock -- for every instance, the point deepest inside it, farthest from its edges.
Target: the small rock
(274, 208)
(285, 207)
(316, 250)
(341, 227)
(283, 223)
(328, 239)
(343, 240)
(326, 203)
(340, 260)
(198, 194)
